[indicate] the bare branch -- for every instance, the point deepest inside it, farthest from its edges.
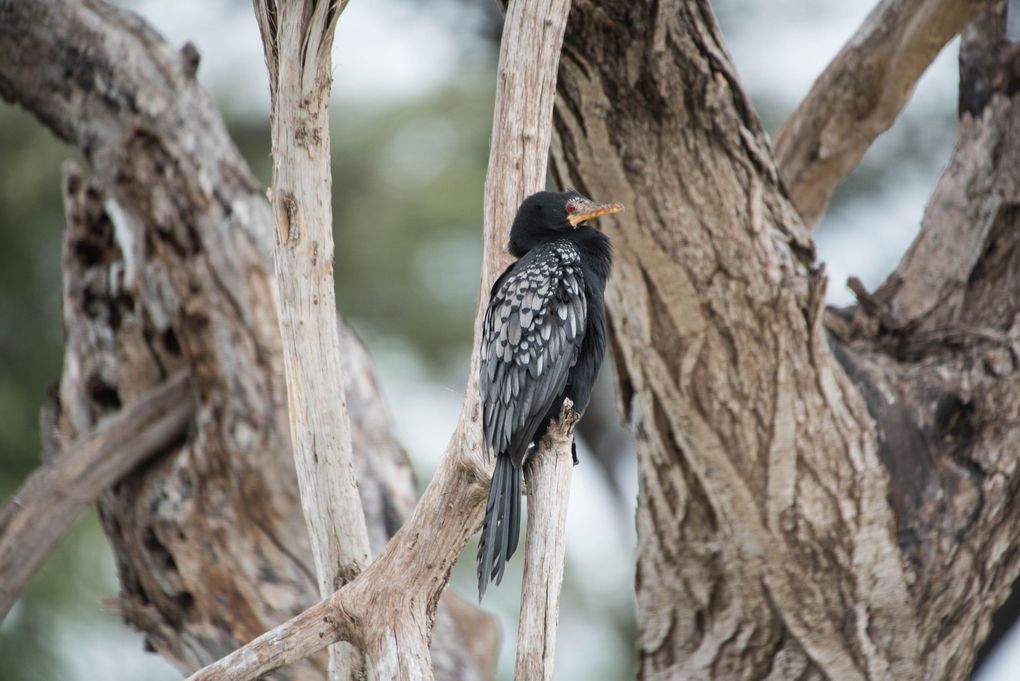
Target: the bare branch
(169, 265)
(42, 511)
(319, 421)
(392, 603)
(547, 475)
(291, 641)
(861, 93)
(525, 90)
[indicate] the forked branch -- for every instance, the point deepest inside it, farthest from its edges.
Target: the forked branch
(861, 93)
(388, 610)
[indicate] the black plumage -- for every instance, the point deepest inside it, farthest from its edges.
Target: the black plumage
(543, 340)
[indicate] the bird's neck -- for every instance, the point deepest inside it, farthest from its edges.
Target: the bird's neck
(596, 250)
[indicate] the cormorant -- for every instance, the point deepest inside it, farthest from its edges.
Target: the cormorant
(543, 339)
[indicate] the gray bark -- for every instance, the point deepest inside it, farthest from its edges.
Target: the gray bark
(822, 495)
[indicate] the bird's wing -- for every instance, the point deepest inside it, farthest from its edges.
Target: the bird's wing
(531, 336)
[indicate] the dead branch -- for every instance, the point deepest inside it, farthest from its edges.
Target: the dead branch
(392, 603)
(43, 509)
(861, 93)
(547, 476)
(298, 37)
(169, 265)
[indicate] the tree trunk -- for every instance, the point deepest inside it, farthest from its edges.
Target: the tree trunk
(821, 495)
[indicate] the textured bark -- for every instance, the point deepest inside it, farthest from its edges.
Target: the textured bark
(811, 505)
(169, 267)
(823, 495)
(45, 507)
(861, 93)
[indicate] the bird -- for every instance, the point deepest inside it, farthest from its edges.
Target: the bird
(543, 340)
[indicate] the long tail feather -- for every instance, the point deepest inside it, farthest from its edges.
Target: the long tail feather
(501, 529)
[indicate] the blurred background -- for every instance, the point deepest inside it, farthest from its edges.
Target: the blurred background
(411, 109)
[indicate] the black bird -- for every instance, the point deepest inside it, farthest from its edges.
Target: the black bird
(543, 340)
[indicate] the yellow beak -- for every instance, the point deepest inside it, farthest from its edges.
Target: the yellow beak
(589, 210)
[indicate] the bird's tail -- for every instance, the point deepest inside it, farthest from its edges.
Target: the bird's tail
(502, 527)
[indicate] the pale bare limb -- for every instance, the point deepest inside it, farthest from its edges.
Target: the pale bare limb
(169, 265)
(861, 93)
(547, 475)
(291, 641)
(392, 603)
(298, 58)
(43, 509)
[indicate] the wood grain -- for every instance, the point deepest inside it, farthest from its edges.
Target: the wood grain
(547, 477)
(298, 38)
(46, 505)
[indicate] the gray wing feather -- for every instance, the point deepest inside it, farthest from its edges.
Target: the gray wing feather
(531, 335)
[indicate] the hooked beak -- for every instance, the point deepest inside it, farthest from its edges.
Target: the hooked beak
(586, 209)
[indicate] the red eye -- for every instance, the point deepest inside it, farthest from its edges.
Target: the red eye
(570, 208)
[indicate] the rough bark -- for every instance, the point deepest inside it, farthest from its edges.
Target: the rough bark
(811, 505)
(861, 93)
(45, 507)
(169, 268)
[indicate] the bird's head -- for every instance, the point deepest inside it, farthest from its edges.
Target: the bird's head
(551, 215)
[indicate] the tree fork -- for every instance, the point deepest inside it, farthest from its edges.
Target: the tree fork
(388, 610)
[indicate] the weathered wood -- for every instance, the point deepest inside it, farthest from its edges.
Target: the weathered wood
(547, 476)
(529, 54)
(45, 507)
(861, 93)
(298, 38)
(936, 353)
(169, 266)
(811, 505)
(392, 603)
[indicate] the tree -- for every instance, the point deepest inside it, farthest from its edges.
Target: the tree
(824, 493)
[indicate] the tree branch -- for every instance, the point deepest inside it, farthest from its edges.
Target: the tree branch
(392, 603)
(547, 476)
(168, 265)
(43, 509)
(298, 57)
(861, 93)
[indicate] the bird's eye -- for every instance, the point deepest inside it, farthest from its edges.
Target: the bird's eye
(570, 208)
